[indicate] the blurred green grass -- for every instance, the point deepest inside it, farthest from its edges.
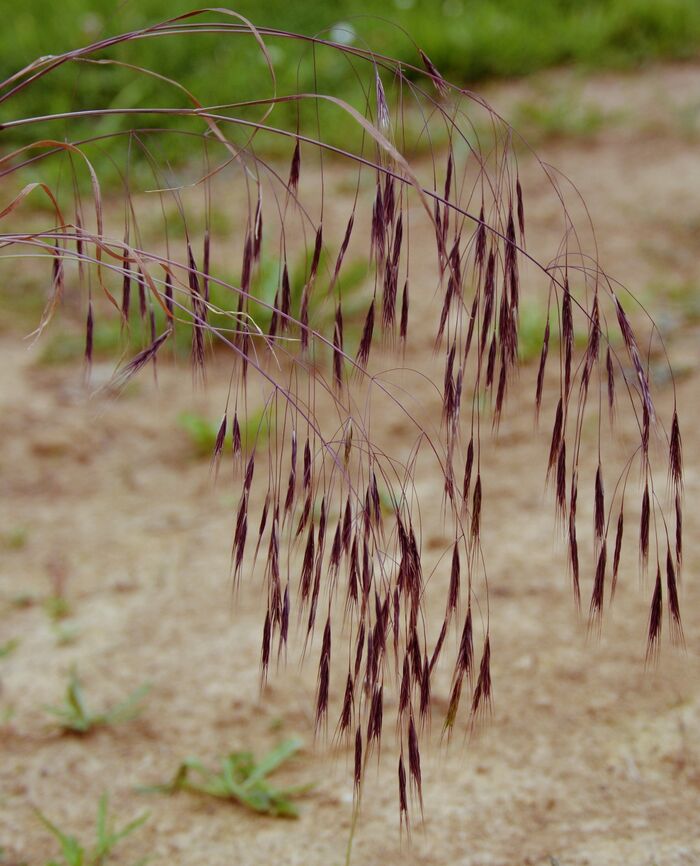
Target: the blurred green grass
(468, 40)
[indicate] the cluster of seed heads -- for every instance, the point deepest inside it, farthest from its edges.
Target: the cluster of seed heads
(330, 520)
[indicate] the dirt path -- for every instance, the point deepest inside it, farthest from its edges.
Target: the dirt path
(588, 758)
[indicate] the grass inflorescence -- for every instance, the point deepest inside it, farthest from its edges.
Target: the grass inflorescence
(327, 515)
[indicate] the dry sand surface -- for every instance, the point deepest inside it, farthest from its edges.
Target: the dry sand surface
(588, 757)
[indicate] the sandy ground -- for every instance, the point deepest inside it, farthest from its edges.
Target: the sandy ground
(588, 757)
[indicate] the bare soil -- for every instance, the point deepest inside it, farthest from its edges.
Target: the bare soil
(588, 757)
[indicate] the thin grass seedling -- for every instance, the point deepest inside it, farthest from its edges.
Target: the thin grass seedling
(242, 780)
(75, 717)
(74, 853)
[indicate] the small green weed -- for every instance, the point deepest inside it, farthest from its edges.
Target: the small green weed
(202, 432)
(22, 600)
(240, 779)
(74, 716)
(65, 632)
(6, 715)
(7, 648)
(73, 853)
(56, 603)
(15, 539)
(57, 607)
(558, 116)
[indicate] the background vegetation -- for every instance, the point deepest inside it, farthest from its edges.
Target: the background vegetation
(468, 40)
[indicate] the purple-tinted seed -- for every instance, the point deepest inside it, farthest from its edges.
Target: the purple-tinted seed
(676, 453)
(476, 508)
(618, 550)
(347, 525)
(557, 432)
(307, 465)
(286, 304)
(655, 619)
(266, 640)
(567, 334)
(674, 609)
(89, 327)
(480, 245)
(291, 483)
(540, 371)
(366, 339)
(284, 622)
(489, 291)
(338, 347)
(168, 296)
(438, 645)
(574, 561)
(358, 759)
(425, 689)
(465, 658)
(633, 351)
(342, 251)
(307, 566)
(403, 327)
(491, 364)
(376, 711)
(679, 531)
(220, 438)
(324, 675)
(468, 470)
(610, 375)
(439, 82)
(644, 525)
(316, 258)
(453, 594)
(403, 800)
(599, 505)
(235, 435)
(521, 208)
(139, 361)
(405, 689)
(348, 701)
(293, 182)
(414, 761)
(126, 290)
(359, 649)
(598, 595)
(482, 692)
(453, 706)
(140, 281)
